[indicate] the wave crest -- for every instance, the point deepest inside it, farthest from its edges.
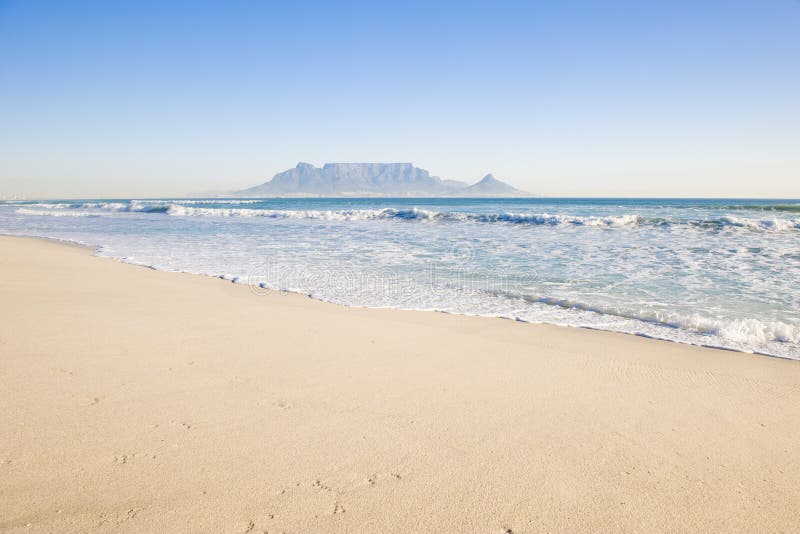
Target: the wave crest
(46, 213)
(190, 208)
(739, 331)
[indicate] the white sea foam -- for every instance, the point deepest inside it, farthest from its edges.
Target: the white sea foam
(328, 215)
(744, 332)
(51, 205)
(556, 220)
(200, 201)
(48, 213)
(411, 214)
(760, 224)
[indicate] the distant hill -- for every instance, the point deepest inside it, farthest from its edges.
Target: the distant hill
(372, 179)
(489, 186)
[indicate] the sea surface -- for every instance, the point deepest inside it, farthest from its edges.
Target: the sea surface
(722, 273)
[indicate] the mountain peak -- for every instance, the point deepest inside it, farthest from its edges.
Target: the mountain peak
(491, 186)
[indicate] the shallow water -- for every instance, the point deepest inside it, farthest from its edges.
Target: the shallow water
(712, 272)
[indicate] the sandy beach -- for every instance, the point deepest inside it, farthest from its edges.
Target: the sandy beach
(138, 400)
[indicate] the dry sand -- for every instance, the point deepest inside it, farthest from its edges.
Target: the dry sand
(137, 400)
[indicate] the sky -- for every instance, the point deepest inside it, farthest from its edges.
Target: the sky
(566, 98)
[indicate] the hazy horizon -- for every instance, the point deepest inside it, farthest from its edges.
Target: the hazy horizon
(625, 99)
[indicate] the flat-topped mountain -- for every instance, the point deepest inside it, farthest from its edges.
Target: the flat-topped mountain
(372, 179)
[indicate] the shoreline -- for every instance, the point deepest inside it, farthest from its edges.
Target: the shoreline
(180, 403)
(95, 249)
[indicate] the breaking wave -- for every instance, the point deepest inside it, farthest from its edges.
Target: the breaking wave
(535, 219)
(26, 211)
(191, 208)
(788, 208)
(744, 332)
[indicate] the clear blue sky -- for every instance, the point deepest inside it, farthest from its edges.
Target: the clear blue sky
(604, 97)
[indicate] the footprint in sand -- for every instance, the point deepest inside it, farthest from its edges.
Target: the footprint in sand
(372, 480)
(123, 459)
(183, 424)
(250, 526)
(319, 485)
(116, 518)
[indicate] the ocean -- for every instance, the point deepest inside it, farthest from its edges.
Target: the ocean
(721, 273)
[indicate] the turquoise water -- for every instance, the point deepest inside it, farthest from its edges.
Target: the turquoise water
(711, 272)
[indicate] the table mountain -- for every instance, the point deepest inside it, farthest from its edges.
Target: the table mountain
(371, 179)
